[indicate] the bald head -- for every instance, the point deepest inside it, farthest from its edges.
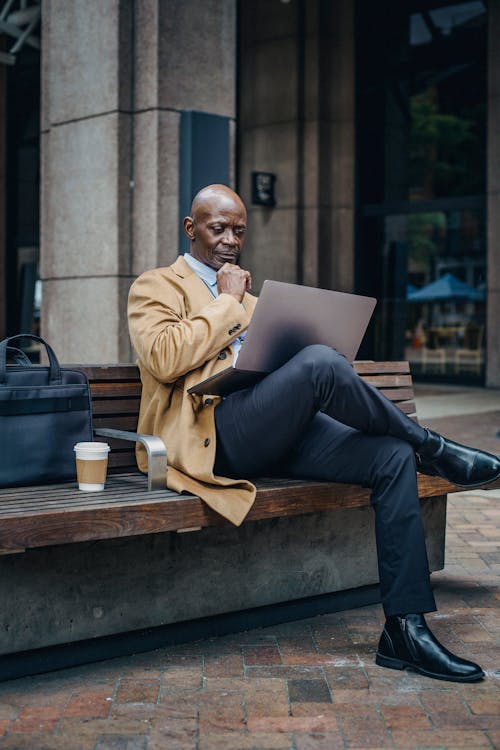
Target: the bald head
(216, 227)
(214, 197)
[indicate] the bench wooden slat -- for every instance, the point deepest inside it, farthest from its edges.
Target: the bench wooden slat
(108, 372)
(119, 421)
(408, 407)
(115, 390)
(109, 407)
(126, 510)
(388, 380)
(363, 367)
(397, 394)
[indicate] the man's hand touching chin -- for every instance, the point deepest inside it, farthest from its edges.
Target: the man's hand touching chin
(232, 279)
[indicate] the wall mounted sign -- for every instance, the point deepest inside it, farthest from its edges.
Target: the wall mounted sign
(263, 188)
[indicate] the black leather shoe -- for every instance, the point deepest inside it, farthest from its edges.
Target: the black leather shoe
(467, 467)
(407, 642)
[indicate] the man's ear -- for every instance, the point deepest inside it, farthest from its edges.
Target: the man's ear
(188, 225)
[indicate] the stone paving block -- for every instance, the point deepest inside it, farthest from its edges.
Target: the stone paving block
(173, 733)
(369, 713)
(83, 728)
(179, 658)
(123, 742)
(293, 724)
(330, 741)
(291, 647)
(473, 634)
(309, 691)
(183, 678)
(284, 672)
(352, 677)
(333, 643)
(26, 693)
(266, 698)
(235, 685)
(214, 698)
(323, 659)
(46, 742)
(143, 711)
(262, 705)
(229, 665)
(138, 691)
(240, 741)
(441, 738)
(485, 706)
(405, 717)
(364, 734)
(34, 719)
(445, 708)
(222, 718)
(88, 705)
(261, 655)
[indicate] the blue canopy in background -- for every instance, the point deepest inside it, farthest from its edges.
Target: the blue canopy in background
(447, 288)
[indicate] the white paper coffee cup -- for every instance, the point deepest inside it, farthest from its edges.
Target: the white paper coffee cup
(91, 465)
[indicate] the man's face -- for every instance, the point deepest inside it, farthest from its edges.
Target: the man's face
(217, 231)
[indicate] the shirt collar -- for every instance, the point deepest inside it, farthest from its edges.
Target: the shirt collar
(206, 274)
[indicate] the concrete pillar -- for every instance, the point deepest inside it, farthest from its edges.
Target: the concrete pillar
(3, 197)
(115, 78)
(336, 92)
(493, 177)
(185, 60)
(86, 173)
(299, 124)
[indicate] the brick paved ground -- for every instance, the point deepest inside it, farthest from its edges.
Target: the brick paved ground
(309, 685)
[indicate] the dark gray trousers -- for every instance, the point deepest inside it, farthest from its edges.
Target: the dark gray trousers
(316, 418)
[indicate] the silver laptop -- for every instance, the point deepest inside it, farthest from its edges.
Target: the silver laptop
(288, 317)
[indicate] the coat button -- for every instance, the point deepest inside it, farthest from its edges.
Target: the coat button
(230, 332)
(206, 442)
(238, 326)
(222, 355)
(209, 401)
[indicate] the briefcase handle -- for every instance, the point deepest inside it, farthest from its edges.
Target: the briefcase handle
(54, 369)
(20, 357)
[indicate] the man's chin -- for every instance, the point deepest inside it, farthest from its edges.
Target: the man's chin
(220, 261)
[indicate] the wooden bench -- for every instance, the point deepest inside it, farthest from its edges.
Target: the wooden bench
(83, 564)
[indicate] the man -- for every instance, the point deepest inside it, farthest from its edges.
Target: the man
(313, 417)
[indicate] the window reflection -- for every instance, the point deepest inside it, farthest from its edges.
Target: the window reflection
(422, 182)
(445, 297)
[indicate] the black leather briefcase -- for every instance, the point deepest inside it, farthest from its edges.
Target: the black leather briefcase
(44, 411)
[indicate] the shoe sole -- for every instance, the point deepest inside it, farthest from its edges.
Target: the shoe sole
(392, 663)
(464, 486)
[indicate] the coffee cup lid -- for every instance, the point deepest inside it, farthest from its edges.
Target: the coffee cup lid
(92, 446)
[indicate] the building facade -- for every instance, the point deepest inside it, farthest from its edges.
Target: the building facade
(364, 138)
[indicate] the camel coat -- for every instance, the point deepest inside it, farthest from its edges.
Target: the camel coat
(182, 335)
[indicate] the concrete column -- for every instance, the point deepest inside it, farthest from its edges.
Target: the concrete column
(115, 78)
(86, 172)
(269, 134)
(3, 196)
(493, 177)
(299, 124)
(185, 60)
(336, 92)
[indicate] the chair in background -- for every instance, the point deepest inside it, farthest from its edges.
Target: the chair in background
(433, 359)
(470, 357)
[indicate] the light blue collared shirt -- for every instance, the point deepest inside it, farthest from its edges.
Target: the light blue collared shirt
(209, 277)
